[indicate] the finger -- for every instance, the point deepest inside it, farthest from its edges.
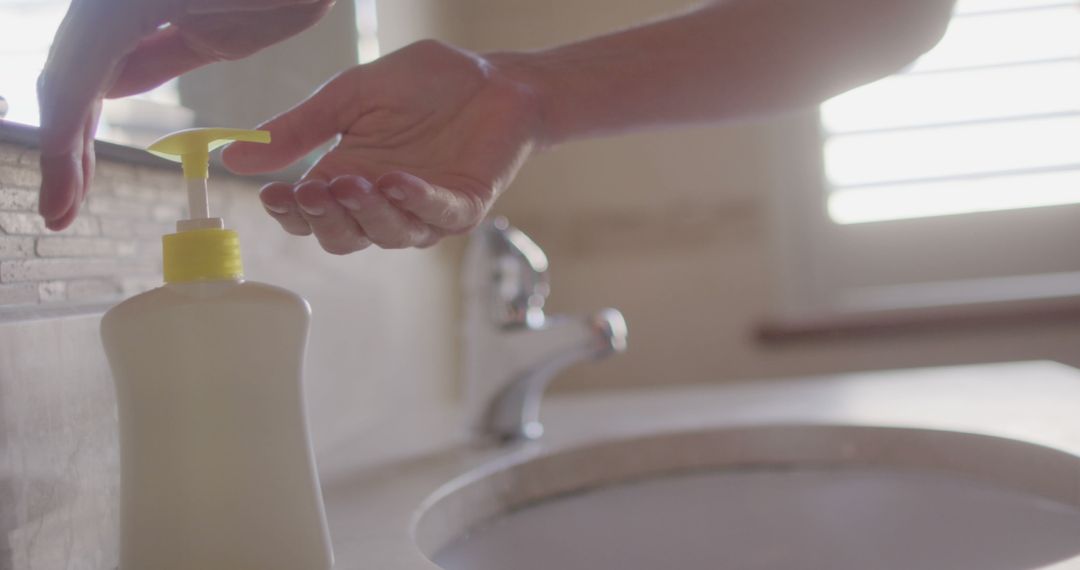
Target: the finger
(61, 179)
(89, 158)
(385, 225)
(336, 230)
(81, 63)
(298, 131)
(280, 203)
(157, 59)
(74, 172)
(433, 237)
(86, 167)
(64, 220)
(440, 207)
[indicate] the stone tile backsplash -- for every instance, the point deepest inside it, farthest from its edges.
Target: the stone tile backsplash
(111, 251)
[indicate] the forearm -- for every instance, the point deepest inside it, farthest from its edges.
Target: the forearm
(725, 60)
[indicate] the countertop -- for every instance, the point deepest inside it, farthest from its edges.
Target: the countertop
(378, 485)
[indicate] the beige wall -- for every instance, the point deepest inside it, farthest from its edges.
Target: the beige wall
(674, 229)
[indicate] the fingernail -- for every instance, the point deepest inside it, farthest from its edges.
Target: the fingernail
(312, 210)
(396, 193)
(277, 209)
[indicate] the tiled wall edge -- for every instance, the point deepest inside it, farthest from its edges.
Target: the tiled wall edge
(112, 250)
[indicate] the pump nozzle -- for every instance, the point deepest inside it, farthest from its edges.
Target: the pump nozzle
(192, 148)
(202, 249)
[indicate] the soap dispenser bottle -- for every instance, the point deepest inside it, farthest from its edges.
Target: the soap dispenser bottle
(217, 468)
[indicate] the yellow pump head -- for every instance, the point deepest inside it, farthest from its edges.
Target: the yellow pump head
(191, 147)
(201, 249)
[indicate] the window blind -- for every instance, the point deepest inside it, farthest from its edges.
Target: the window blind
(987, 120)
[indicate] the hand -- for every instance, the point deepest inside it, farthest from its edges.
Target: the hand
(429, 136)
(113, 48)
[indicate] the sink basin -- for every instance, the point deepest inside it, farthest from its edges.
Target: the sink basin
(770, 497)
(972, 467)
(835, 519)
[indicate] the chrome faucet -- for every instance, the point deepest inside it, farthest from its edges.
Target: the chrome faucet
(512, 349)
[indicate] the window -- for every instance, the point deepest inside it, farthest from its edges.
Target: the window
(948, 143)
(28, 29)
(955, 181)
(27, 26)
(367, 30)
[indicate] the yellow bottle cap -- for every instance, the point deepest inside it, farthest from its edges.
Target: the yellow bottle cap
(202, 249)
(201, 255)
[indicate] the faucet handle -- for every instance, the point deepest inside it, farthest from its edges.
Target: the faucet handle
(520, 275)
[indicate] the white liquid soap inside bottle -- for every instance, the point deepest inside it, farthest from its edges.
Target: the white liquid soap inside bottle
(217, 467)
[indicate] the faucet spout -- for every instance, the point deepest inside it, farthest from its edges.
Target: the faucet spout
(558, 343)
(513, 349)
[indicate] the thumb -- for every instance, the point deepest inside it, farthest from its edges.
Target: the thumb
(296, 132)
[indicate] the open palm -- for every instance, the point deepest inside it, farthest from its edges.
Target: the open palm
(429, 136)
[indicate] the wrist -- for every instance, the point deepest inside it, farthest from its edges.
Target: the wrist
(528, 75)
